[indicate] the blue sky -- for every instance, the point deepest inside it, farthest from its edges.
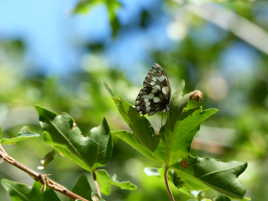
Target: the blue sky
(53, 36)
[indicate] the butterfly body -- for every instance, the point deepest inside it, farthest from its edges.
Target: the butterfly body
(155, 94)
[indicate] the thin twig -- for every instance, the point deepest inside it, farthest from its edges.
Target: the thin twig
(170, 195)
(42, 178)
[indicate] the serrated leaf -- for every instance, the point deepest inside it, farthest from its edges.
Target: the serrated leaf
(61, 132)
(141, 127)
(82, 187)
(179, 141)
(24, 134)
(22, 192)
(204, 173)
(106, 182)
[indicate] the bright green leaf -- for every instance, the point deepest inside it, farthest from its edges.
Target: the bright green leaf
(24, 134)
(61, 132)
(106, 182)
(179, 142)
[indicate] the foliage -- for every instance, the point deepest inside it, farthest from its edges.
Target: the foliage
(200, 57)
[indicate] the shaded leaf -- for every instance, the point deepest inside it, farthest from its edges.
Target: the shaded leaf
(112, 7)
(38, 195)
(106, 182)
(22, 192)
(61, 132)
(130, 139)
(82, 187)
(222, 198)
(24, 134)
(17, 191)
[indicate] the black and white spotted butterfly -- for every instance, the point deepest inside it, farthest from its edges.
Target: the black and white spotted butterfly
(155, 94)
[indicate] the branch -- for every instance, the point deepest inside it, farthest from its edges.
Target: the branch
(170, 195)
(42, 178)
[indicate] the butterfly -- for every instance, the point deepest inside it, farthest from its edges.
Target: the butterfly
(155, 94)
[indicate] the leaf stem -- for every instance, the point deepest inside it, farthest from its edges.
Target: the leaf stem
(42, 178)
(170, 195)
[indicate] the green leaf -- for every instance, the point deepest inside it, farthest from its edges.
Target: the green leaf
(222, 198)
(112, 6)
(204, 173)
(22, 192)
(221, 176)
(141, 127)
(38, 195)
(61, 132)
(82, 187)
(179, 141)
(17, 191)
(130, 139)
(84, 6)
(106, 182)
(24, 134)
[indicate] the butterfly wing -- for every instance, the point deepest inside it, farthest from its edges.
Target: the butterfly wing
(155, 94)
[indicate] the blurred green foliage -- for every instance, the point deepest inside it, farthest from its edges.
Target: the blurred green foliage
(199, 55)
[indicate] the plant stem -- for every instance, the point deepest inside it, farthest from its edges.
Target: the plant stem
(170, 195)
(42, 178)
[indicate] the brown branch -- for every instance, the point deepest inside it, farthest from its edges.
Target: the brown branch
(170, 195)
(42, 178)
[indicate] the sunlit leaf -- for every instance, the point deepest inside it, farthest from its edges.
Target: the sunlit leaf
(179, 142)
(61, 132)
